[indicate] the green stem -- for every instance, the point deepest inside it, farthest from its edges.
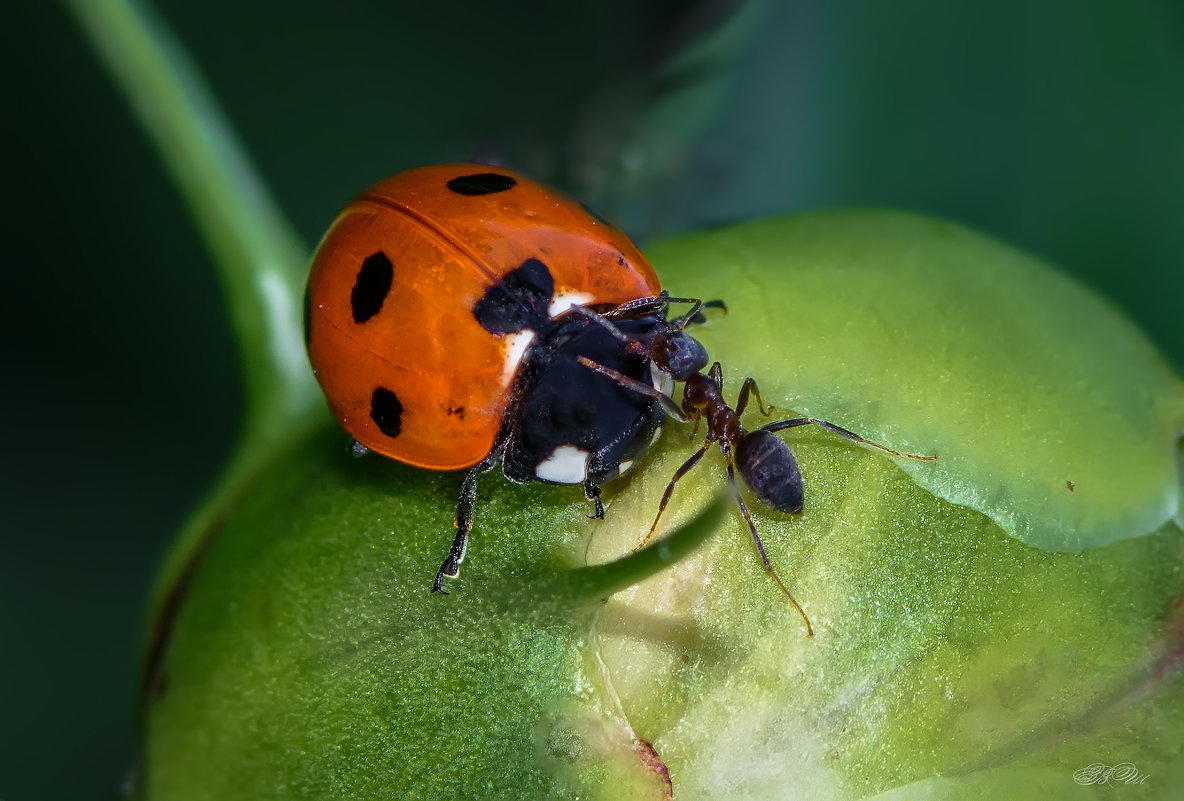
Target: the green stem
(260, 259)
(597, 582)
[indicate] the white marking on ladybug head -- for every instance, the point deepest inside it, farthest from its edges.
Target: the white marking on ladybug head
(657, 436)
(565, 298)
(567, 464)
(516, 346)
(624, 465)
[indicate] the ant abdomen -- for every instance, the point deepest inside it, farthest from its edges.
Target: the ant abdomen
(770, 470)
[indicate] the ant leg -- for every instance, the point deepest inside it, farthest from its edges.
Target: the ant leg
(592, 493)
(639, 387)
(464, 522)
(663, 301)
(660, 301)
(680, 322)
(742, 402)
(679, 473)
(756, 538)
(695, 316)
(842, 432)
(605, 321)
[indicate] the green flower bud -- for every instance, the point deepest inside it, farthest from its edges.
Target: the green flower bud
(986, 625)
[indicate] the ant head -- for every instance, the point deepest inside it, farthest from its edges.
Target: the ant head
(679, 354)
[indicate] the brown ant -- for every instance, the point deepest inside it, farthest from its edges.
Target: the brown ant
(764, 460)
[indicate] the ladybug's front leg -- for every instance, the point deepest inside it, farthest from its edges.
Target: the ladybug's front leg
(592, 493)
(464, 521)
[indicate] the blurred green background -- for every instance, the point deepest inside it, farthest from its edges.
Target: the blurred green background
(1057, 126)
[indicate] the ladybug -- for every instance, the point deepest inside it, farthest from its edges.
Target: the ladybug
(451, 315)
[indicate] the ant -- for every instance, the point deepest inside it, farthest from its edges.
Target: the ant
(765, 461)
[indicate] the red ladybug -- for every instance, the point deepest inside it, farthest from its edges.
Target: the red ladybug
(451, 311)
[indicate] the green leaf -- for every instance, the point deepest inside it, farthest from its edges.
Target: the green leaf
(1049, 412)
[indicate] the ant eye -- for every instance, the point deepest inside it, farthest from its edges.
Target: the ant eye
(684, 356)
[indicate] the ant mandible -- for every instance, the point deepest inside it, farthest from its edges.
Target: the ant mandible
(764, 460)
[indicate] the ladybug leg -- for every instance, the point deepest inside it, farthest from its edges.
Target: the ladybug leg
(592, 493)
(781, 425)
(357, 449)
(464, 521)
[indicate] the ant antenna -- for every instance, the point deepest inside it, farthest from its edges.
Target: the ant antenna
(603, 321)
(639, 387)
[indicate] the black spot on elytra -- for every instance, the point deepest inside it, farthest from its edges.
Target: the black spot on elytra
(457, 411)
(371, 286)
(519, 301)
(387, 412)
(482, 183)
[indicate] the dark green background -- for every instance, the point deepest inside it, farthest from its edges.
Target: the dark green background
(1058, 126)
